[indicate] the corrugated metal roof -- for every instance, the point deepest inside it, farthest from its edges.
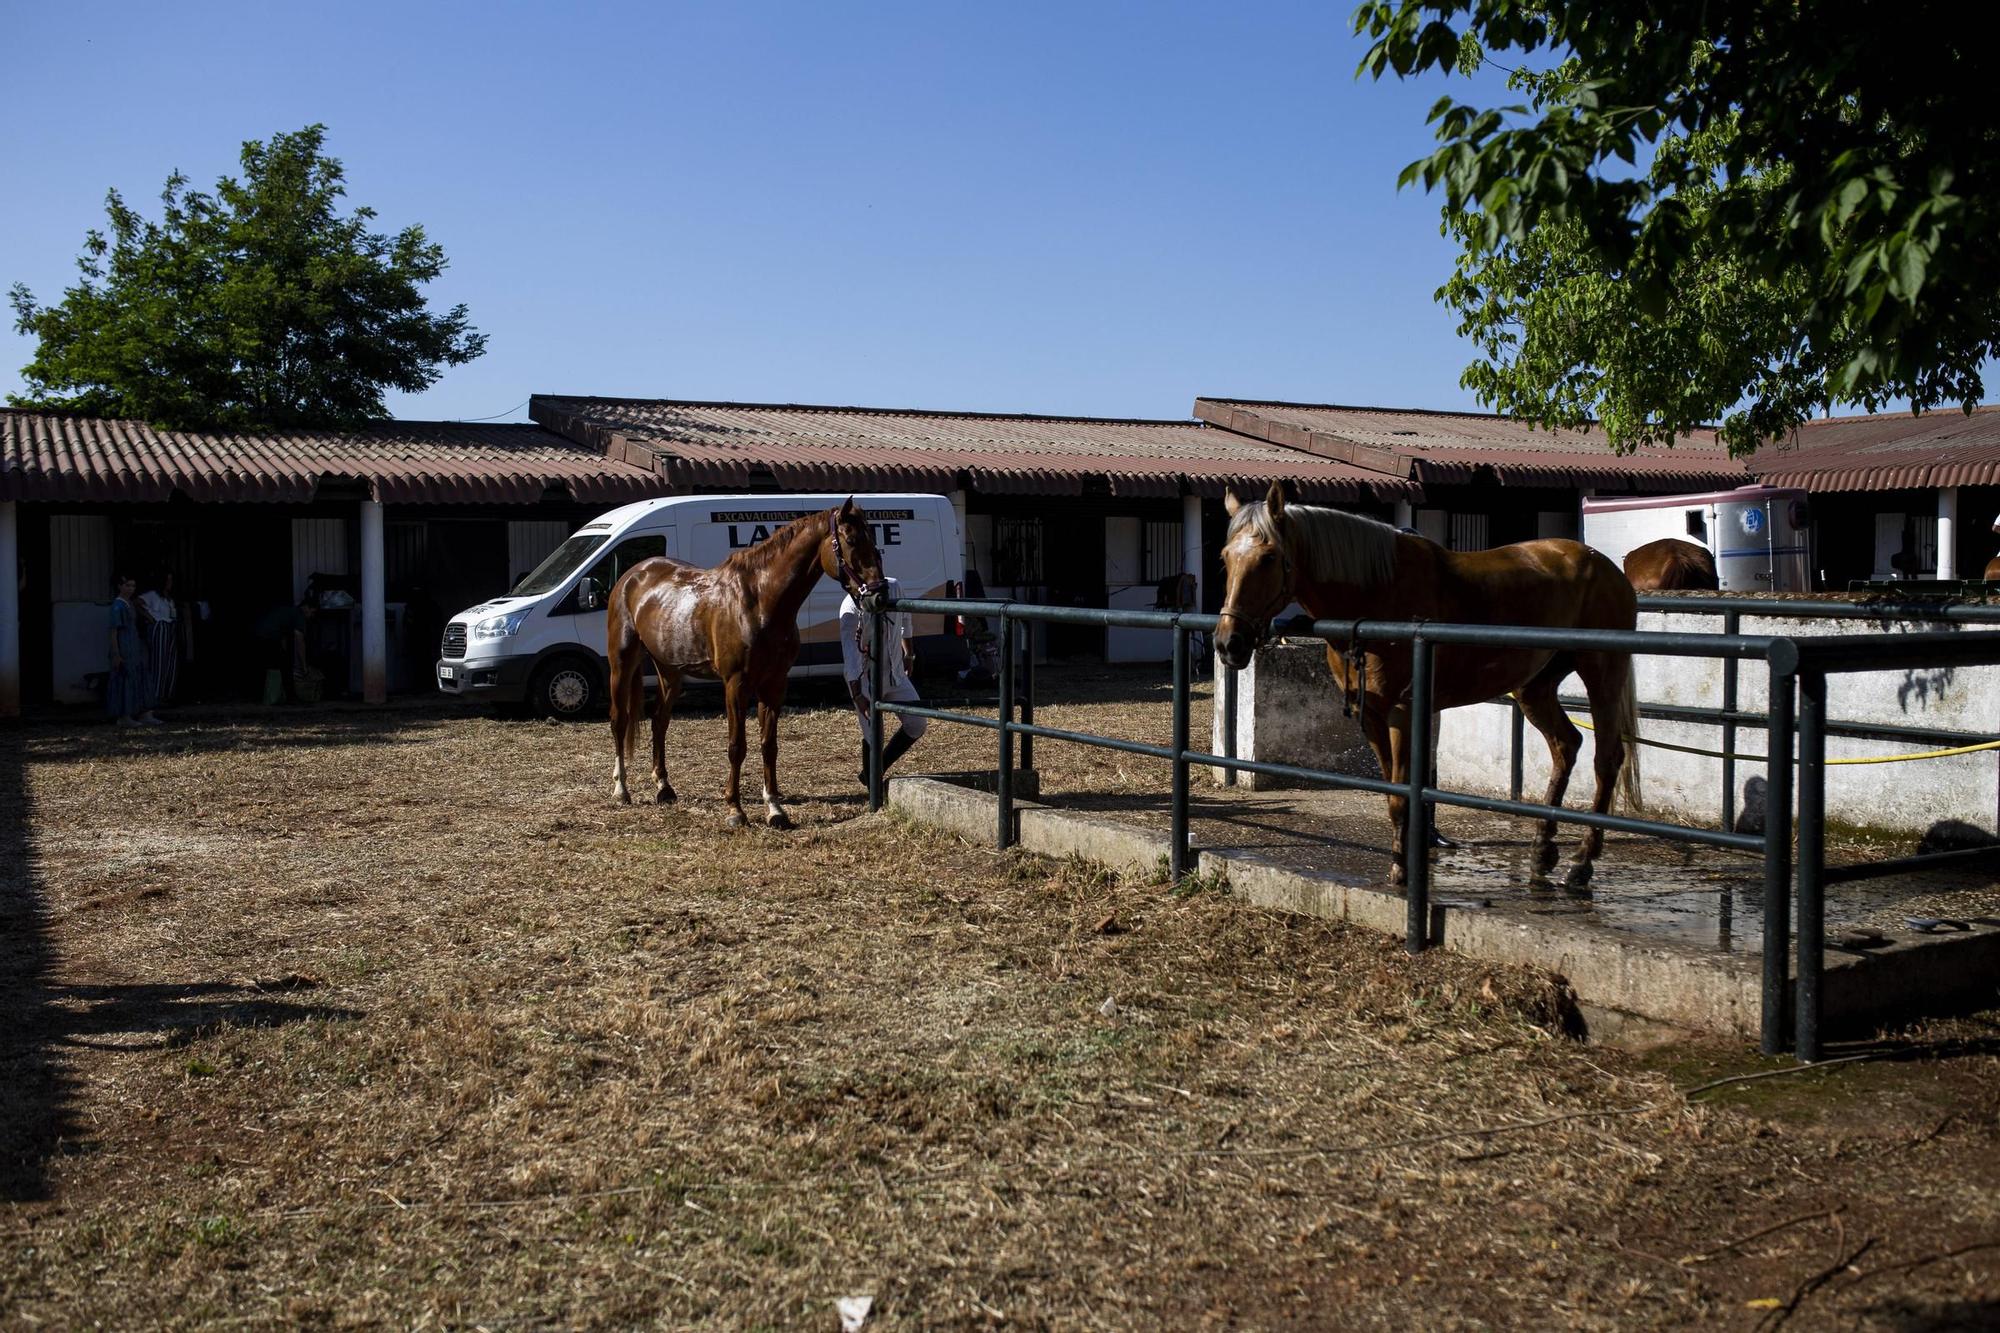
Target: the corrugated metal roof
(735, 445)
(1459, 447)
(1887, 451)
(49, 457)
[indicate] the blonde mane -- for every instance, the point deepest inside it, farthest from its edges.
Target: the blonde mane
(1329, 545)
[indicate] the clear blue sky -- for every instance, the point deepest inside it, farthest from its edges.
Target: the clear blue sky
(1101, 208)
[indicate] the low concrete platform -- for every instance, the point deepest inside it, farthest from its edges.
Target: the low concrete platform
(1669, 937)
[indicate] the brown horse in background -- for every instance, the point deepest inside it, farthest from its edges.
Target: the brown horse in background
(737, 623)
(1342, 566)
(1669, 565)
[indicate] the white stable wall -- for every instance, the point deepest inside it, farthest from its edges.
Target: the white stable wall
(1290, 714)
(1903, 797)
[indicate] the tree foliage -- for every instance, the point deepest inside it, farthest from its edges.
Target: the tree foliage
(257, 305)
(1739, 210)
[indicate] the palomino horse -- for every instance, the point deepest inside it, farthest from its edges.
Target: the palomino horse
(737, 623)
(1343, 566)
(1669, 565)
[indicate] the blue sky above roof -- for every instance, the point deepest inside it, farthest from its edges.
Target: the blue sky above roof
(1099, 208)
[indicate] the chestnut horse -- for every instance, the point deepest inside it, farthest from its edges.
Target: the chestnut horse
(1342, 566)
(737, 623)
(1670, 564)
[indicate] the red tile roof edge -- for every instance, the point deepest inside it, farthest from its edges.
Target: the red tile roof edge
(96, 459)
(556, 412)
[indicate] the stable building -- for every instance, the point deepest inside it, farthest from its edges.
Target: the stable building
(398, 524)
(405, 523)
(1911, 497)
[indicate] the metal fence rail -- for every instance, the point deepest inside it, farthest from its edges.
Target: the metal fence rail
(1796, 669)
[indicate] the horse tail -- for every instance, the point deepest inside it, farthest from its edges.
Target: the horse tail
(1628, 728)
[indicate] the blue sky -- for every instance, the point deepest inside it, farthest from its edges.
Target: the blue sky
(1101, 208)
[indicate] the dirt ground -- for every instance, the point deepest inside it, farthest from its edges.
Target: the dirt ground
(340, 1017)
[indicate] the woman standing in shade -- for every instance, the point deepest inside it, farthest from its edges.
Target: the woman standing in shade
(163, 652)
(125, 689)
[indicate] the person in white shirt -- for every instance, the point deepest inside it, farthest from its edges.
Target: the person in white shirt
(857, 647)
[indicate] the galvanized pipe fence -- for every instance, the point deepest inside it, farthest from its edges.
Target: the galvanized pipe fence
(1796, 669)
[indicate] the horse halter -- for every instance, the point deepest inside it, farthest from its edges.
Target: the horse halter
(1262, 622)
(844, 571)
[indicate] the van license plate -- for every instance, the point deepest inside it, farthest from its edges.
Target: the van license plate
(447, 673)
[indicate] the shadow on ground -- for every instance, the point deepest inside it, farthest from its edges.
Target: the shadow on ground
(40, 1104)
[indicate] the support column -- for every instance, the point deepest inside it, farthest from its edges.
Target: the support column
(1191, 544)
(374, 613)
(1406, 514)
(10, 609)
(1947, 532)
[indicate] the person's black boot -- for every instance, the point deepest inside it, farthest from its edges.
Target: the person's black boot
(899, 745)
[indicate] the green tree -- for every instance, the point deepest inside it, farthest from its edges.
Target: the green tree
(258, 305)
(1740, 210)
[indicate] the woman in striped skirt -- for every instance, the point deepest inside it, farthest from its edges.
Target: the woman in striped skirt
(162, 622)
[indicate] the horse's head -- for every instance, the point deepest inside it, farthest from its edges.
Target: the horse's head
(1258, 575)
(848, 555)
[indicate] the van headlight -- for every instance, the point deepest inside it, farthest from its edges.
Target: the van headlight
(499, 627)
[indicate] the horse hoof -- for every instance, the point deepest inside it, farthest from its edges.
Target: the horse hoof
(778, 819)
(1397, 875)
(620, 795)
(736, 819)
(665, 796)
(1579, 875)
(1545, 858)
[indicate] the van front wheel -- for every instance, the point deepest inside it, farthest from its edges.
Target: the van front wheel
(566, 688)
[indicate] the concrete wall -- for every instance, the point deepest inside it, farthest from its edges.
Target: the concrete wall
(1289, 712)
(1912, 797)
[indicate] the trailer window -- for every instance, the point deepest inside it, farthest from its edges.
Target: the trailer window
(1698, 525)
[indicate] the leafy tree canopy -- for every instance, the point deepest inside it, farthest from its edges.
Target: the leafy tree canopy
(1740, 211)
(258, 305)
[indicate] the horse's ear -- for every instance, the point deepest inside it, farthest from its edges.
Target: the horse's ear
(1274, 501)
(847, 507)
(1230, 504)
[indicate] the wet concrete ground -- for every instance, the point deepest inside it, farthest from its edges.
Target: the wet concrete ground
(1697, 897)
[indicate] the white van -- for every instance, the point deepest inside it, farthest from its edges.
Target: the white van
(543, 643)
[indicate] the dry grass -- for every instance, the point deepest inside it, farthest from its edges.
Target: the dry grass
(343, 1018)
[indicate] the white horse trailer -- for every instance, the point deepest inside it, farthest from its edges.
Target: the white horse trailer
(1760, 536)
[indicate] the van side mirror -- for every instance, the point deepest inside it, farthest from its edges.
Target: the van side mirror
(590, 594)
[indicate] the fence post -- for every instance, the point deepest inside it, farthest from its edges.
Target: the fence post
(1025, 689)
(1227, 688)
(1514, 734)
(1732, 623)
(1416, 817)
(1811, 903)
(879, 624)
(1178, 859)
(1003, 777)
(1777, 845)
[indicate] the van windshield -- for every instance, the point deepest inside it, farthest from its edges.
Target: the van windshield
(562, 562)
